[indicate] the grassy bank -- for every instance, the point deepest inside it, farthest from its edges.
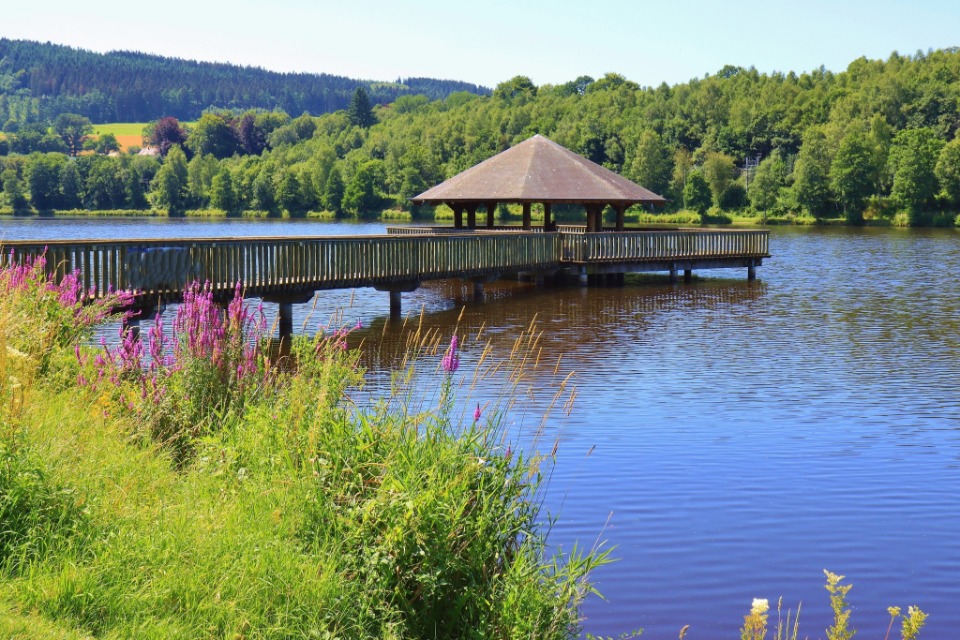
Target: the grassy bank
(511, 214)
(200, 490)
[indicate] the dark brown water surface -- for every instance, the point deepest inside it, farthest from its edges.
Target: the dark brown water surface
(730, 439)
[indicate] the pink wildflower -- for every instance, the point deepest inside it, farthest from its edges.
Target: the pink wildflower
(451, 359)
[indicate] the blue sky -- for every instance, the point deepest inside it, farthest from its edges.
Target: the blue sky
(491, 41)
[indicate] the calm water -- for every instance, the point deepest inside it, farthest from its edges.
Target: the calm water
(731, 440)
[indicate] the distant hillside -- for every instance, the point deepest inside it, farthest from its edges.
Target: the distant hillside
(39, 81)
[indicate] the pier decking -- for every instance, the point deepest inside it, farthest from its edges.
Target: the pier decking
(292, 269)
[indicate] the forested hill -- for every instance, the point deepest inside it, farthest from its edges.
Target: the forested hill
(40, 81)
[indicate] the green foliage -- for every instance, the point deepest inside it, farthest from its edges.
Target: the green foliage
(837, 136)
(719, 171)
(362, 194)
(734, 197)
(838, 604)
(652, 164)
(360, 112)
(106, 144)
(811, 174)
(948, 170)
(170, 187)
(851, 175)
(43, 177)
(768, 180)
(696, 193)
(13, 190)
(517, 87)
(222, 194)
(73, 129)
(42, 80)
(214, 135)
(37, 516)
(913, 157)
(333, 191)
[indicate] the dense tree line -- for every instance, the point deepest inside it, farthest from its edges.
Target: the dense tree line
(876, 140)
(39, 81)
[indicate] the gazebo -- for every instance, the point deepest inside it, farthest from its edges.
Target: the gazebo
(537, 170)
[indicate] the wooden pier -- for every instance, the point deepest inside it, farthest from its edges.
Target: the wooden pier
(288, 270)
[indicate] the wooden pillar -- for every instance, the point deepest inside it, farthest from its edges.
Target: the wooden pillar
(547, 222)
(472, 215)
(687, 275)
(285, 320)
(491, 207)
(751, 273)
(621, 211)
(526, 217)
(594, 223)
(673, 273)
(395, 309)
(132, 324)
(457, 216)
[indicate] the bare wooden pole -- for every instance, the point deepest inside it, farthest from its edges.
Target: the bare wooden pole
(491, 207)
(526, 216)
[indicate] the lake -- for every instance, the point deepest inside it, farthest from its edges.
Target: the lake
(730, 439)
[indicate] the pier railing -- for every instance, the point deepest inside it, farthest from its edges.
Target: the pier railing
(273, 266)
(660, 245)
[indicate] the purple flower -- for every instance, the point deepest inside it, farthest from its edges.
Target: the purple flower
(451, 359)
(476, 413)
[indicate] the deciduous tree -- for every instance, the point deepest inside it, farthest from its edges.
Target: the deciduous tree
(73, 129)
(851, 175)
(214, 135)
(43, 179)
(948, 170)
(913, 158)
(652, 165)
(170, 185)
(719, 171)
(222, 194)
(696, 193)
(165, 133)
(764, 189)
(811, 174)
(333, 191)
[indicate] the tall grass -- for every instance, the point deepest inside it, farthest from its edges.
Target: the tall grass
(193, 487)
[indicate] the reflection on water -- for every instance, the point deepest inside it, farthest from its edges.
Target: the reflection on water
(734, 439)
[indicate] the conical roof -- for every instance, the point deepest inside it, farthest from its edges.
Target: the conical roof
(538, 170)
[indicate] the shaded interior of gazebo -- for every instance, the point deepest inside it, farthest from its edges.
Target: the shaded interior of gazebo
(537, 170)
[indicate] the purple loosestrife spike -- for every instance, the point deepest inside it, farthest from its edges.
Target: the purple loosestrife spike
(476, 413)
(451, 359)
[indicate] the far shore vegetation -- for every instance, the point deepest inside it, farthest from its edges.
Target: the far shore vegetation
(875, 144)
